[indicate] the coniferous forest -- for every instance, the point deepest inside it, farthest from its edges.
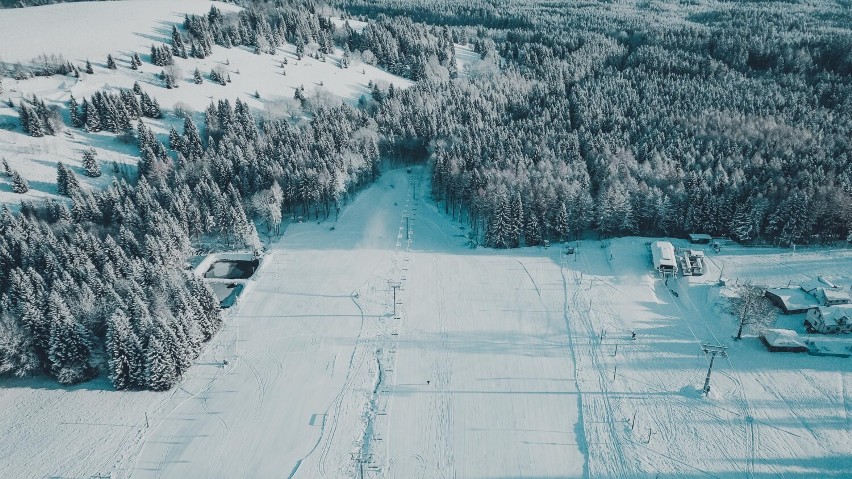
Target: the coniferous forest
(651, 118)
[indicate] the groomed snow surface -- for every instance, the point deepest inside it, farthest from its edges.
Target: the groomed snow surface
(501, 364)
(120, 29)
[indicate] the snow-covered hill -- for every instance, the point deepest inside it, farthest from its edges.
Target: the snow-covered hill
(92, 30)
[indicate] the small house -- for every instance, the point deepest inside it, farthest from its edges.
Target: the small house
(663, 256)
(783, 341)
(826, 292)
(791, 300)
(834, 297)
(700, 238)
(830, 319)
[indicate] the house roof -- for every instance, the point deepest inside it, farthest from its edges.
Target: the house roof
(812, 286)
(783, 338)
(794, 298)
(834, 315)
(836, 295)
(699, 236)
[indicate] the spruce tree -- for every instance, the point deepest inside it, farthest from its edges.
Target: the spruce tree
(6, 170)
(61, 179)
(124, 353)
(192, 146)
(74, 112)
(561, 224)
(516, 228)
(90, 163)
(111, 62)
(532, 231)
(34, 125)
(19, 183)
(93, 117)
(160, 373)
(197, 78)
(89, 68)
(178, 45)
(69, 354)
(175, 140)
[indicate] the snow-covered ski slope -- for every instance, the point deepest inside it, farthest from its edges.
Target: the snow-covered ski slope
(92, 30)
(501, 364)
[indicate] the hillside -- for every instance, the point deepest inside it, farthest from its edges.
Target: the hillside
(421, 244)
(133, 26)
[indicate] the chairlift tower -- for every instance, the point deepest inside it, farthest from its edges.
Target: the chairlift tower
(713, 351)
(395, 285)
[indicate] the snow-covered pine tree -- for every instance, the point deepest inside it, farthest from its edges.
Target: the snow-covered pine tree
(516, 228)
(74, 112)
(150, 107)
(155, 56)
(169, 81)
(111, 62)
(19, 183)
(216, 76)
(209, 314)
(90, 163)
(24, 116)
(193, 149)
(560, 225)
(131, 104)
(175, 140)
(6, 170)
(61, 179)
(124, 352)
(89, 68)
(532, 231)
(615, 213)
(34, 124)
(160, 374)
(500, 227)
(93, 117)
(66, 182)
(197, 78)
(70, 351)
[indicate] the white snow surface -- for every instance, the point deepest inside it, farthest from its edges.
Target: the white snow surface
(128, 26)
(91, 30)
(501, 364)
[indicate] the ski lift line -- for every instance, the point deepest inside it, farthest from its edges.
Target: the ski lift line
(750, 440)
(689, 326)
(603, 373)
